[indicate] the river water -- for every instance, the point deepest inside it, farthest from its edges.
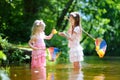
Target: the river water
(93, 68)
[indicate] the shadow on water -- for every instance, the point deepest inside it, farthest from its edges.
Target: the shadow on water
(93, 68)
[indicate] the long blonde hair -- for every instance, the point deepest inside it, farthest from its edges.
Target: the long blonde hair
(36, 25)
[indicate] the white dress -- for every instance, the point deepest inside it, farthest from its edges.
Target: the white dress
(76, 50)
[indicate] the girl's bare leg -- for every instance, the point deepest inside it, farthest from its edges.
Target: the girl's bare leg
(76, 65)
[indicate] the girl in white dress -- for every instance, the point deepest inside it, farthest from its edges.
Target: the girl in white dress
(74, 36)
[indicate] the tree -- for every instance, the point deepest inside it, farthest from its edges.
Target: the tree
(99, 18)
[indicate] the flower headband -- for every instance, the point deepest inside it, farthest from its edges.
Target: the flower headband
(39, 22)
(74, 14)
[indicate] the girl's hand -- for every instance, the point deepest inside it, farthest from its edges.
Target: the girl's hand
(61, 33)
(39, 48)
(35, 48)
(65, 35)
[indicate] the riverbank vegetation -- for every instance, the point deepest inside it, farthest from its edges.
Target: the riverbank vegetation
(98, 18)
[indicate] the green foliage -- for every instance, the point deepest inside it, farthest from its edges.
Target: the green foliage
(63, 58)
(4, 43)
(2, 55)
(102, 21)
(13, 54)
(16, 56)
(4, 73)
(99, 18)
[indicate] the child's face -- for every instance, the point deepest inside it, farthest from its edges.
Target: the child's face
(72, 21)
(41, 25)
(42, 28)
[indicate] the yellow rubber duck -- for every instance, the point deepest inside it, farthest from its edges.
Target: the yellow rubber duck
(54, 31)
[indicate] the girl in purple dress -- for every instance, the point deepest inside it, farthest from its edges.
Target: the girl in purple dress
(37, 43)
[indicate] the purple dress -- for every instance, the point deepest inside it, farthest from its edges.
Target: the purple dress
(39, 55)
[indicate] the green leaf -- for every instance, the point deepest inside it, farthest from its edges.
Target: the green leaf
(2, 55)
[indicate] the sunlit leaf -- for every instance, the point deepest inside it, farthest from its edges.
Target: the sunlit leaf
(2, 55)
(118, 6)
(110, 1)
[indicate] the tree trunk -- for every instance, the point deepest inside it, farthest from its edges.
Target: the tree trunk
(64, 12)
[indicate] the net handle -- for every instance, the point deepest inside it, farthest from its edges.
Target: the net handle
(88, 34)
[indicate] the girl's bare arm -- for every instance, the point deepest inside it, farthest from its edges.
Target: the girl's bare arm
(66, 35)
(31, 42)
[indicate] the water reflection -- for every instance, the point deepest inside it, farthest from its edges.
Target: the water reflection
(4, 75)
(65, 74)
(92, 69)
(99, 77)
(76, 75)
(50, 76)
(73, 75)
(38, 73)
